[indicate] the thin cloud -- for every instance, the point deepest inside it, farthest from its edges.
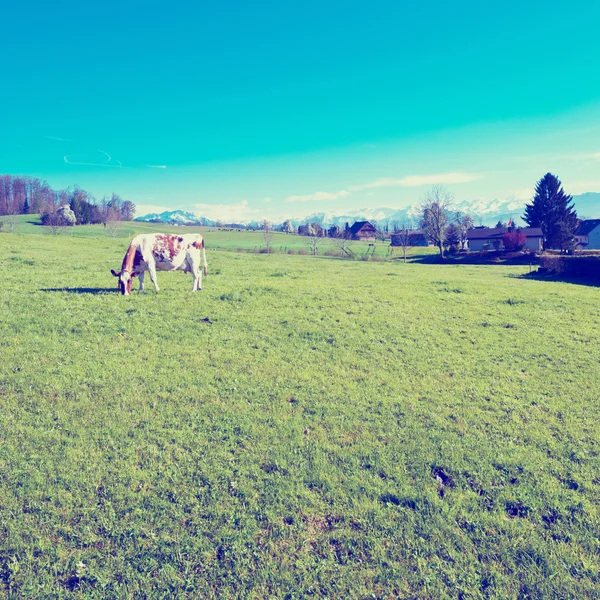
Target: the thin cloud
(581, 187)
(409, 181)
(57, 139)
(524, 194)
(318, 196)
(418, 180)
(230, 213)
(591, 156)
(145, 209)
(108, 163)
(91, 164)
(106, 154)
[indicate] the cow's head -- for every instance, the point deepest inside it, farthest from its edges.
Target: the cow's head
(125, 278)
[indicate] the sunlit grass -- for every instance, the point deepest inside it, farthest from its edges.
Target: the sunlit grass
(303, 426)
(224, 239)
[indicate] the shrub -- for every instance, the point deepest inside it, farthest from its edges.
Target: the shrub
(514, 241)
(584, 267)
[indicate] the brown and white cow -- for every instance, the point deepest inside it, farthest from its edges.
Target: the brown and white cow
(163, 252)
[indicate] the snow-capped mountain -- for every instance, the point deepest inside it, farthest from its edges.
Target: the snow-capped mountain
(327, 219)
(487, 212)
(176, 217)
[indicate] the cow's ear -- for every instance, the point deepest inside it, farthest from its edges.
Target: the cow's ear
(114, 272)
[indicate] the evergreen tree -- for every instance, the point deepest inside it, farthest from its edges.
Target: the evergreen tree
(552, 210)
(76, 207)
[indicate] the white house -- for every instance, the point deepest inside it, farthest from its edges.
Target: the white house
(587, 235)
(488, 238)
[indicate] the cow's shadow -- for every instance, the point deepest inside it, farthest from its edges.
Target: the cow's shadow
(82, 290)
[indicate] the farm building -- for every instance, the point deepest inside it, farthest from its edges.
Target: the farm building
(363, 230)
(416, 238)
(488, 238)
(588, 234)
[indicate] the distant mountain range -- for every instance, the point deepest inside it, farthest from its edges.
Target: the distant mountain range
(486, 212)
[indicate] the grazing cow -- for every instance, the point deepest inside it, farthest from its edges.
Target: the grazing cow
(165, 252)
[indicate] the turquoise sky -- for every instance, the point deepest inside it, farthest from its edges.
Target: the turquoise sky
(240, 109)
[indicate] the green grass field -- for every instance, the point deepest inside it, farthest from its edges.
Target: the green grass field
(303, 427)
(217, 239)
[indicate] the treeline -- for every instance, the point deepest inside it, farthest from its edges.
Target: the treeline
(30, 195)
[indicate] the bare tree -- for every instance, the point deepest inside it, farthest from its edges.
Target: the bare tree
(113, 224)
(434, 215)
(104, 209)
(381, 233)
(314, 239)
(55, 223)
(11, 221)
(464, 222)
(403, 235)
(343, 244)
(267, 233)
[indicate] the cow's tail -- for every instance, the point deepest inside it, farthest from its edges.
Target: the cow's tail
(204, 257)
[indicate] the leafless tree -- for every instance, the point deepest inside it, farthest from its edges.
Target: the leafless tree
(380, 231)
(113, 224)
(104, 209)
(343, 244)
(403, 235)
(434, 215)
(313, 240)
(11, 221)
(464, 222)
(55, 223)
(267, 228)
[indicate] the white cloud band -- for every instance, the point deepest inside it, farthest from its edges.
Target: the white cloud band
(409, 181)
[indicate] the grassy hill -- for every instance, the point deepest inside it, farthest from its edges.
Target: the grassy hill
(301, 427)
(215, 238)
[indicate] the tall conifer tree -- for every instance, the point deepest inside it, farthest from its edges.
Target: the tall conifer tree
(552, 210)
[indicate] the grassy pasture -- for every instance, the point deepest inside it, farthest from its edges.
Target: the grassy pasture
(215, 238)
(334, 429)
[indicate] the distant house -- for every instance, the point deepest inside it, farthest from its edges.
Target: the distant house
(488, 238)
(416, 238)
(362, 230)
(588, 234)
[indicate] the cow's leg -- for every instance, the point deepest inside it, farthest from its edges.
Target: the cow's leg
(152, 273)
(196, 269)
(197, 280)
(141, 281)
